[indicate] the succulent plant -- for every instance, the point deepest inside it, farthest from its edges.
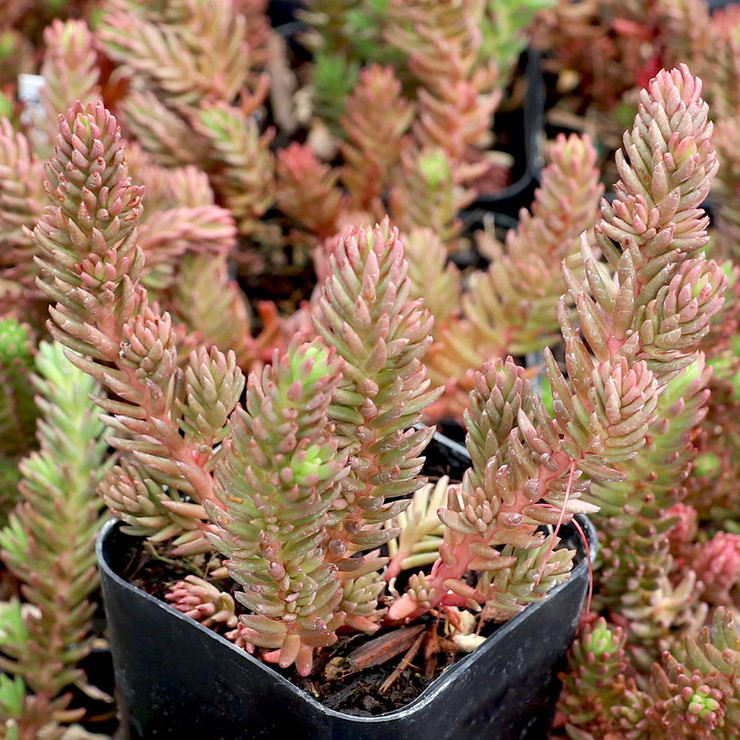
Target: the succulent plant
(691, 693)
(363, 315)
(667, 574)
(299, 489)
(48, 544)
(197, 67)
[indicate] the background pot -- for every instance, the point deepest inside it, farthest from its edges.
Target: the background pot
(523, 128)
(176, 678)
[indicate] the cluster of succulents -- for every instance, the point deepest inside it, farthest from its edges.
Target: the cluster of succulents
(293, 487)
(283, 445)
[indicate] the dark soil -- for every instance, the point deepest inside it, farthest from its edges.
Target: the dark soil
(360, 693)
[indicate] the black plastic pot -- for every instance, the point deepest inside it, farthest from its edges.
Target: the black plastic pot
(282, 12)
(100, 710)
(178, 679)
(524, 128)
(719, 4)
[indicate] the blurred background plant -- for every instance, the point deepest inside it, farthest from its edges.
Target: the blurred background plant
(18, 412)
(48, 546)
(600, 54)
(222, 199)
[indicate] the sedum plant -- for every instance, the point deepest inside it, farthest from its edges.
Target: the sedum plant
(21, 196)
(666, 583)
(711, 491)
(185, 457)
(384, 171)
(413, 121)
(299, 489)
(656, 216)
(472, 46)
(195, 79)
(410, 153)
(602, 52)
(277, 483)
(509, 308)
(48, 545)
(71, 72)
(691, 693)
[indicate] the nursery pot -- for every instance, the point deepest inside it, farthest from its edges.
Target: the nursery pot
(524, 128)
(282, 12)
(177, 679)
